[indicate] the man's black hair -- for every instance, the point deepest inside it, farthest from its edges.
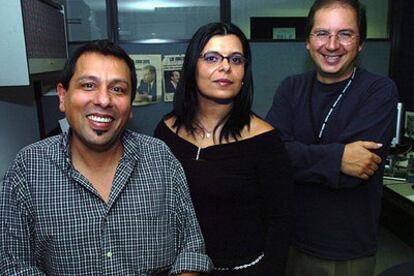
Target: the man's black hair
(354, 4)
(103, 47)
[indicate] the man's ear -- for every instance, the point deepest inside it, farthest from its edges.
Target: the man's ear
(361, 46)
(61, 91)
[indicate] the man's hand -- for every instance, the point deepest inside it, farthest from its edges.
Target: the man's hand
(359, 161)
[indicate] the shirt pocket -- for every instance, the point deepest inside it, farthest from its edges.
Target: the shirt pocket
(156, 245)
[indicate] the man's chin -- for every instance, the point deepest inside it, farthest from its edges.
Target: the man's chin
(101, 141)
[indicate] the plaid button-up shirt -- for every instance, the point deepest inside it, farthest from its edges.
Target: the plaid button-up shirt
(53, 221)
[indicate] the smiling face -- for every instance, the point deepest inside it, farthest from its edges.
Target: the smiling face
(175, 76)
(334, 61)
(221, 81)
(97, 103)
(148, 76)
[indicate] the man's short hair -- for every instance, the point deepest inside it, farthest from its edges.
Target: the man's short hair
(354, 4)
(172, 73)
(150, 68)
(103, 47)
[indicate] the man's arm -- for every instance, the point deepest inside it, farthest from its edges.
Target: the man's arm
(344, 160)
(359, 161)
(16, 226)
(191, 257)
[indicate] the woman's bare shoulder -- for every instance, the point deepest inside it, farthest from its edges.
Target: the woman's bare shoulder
(169, 122)
(259, 126)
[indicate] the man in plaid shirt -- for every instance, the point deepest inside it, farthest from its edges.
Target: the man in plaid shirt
(100, 199)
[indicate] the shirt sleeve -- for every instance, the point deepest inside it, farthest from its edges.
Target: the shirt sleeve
(374, 121)
(276, 184)
(191, 256)
(16, 225)
(322, 162)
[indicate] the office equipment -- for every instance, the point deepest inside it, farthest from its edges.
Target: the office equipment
(394, 160)
(393, 178)
(410, 170)
(397, 132)
(409, 124)
(34, 40)
(398, 209)
(45, 32)
(14, 69)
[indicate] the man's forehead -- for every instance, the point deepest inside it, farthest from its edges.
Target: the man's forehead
(337, 6)
(96, 56)
(90, 66)
(94, 60)
(336, 14)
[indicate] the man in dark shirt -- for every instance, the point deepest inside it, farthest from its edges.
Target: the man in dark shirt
(89, 202)
(336, 122)
(171, 84)
(147, 88)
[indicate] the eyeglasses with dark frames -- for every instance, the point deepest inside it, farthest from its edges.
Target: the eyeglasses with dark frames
(343, 37)
(215, 58)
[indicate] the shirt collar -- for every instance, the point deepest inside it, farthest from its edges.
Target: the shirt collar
(131, 150)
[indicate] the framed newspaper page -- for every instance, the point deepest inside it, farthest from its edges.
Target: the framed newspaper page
(172, 65)
(149, 79)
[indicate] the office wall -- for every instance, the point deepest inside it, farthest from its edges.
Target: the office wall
(18, 121)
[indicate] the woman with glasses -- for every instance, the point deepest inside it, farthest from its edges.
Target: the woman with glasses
(237, 167)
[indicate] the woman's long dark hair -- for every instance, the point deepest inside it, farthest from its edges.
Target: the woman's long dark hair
(185, 100)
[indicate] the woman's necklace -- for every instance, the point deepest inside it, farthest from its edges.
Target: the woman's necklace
(207, 133)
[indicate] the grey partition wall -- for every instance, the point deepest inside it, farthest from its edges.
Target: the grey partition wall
(18, 119)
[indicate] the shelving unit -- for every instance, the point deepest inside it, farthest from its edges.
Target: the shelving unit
(36, 47)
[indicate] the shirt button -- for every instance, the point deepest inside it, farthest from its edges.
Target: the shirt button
(109, 254)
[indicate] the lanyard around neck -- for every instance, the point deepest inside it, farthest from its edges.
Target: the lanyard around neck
(328, 115)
